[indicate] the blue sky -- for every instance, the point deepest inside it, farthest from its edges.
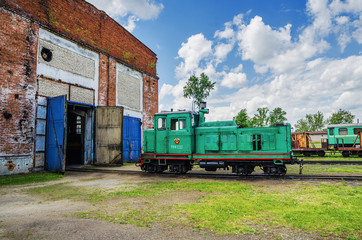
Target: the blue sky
(303, 56)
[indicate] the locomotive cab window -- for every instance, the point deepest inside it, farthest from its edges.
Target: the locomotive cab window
(161, 124)
(343, 131)
(178, 124)
(357, 130)
(331, 131)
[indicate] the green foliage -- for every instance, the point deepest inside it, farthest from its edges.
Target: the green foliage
(277, 116)
(29, 178)
(341, 117)
(242, 119)
(261, 118)
(311, 123)
(198, 88)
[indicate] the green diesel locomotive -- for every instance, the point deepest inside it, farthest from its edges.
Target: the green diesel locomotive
(182, 139)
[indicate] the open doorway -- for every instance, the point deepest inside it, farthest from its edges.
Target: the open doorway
(79, 134)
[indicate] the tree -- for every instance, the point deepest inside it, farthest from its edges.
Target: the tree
(261, 118)
(198, 88)
(277, 116)
(311, 123)
(242, 119)
(341, 117)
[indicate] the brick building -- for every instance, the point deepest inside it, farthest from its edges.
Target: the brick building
(68, 73)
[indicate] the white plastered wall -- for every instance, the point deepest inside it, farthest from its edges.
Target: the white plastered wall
(60, 69)
(133, 111)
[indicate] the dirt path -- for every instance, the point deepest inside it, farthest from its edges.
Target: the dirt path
(24, 216)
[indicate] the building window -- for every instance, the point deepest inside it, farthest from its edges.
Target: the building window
(46, 54)
(343, 131)
(78, 129)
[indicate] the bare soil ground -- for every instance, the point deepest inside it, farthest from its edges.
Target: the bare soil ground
(25, 216)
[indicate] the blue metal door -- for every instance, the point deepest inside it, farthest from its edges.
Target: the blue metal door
(131, 139)
(55, 135)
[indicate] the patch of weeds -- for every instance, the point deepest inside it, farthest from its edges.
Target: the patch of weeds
(29, 178)
(63, 191)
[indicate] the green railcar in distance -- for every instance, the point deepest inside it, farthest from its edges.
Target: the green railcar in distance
(181, 139)
(344, 135)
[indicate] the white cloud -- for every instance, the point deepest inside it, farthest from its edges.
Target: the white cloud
(166, 89)
(291, 73)
(131, 24)
(134, 10)
(351, 6)
(222, 50)
(342, 20)
(348, 100)
(260, 43)
(192, 52)
(234, 80)
(358, 35)
(227, 33)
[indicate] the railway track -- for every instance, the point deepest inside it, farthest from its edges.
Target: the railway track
(220, 175)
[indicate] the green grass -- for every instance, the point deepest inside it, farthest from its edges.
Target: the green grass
(29, 178)
(330, 156)
(328, 209)
(317, 169)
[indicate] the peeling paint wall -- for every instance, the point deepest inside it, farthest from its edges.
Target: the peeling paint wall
(150, 101)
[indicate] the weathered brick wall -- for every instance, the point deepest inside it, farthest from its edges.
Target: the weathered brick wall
(82, 22)
(103, 80)
(79, 21)
(18, 42)
(150, 101)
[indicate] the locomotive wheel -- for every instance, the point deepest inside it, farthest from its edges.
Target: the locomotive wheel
(307, 154)
(345, 154)
(275, 170)
(321, 154)
(149, 168)
(160, 169)
(244, 170)
(179, 169)
(283, 170)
